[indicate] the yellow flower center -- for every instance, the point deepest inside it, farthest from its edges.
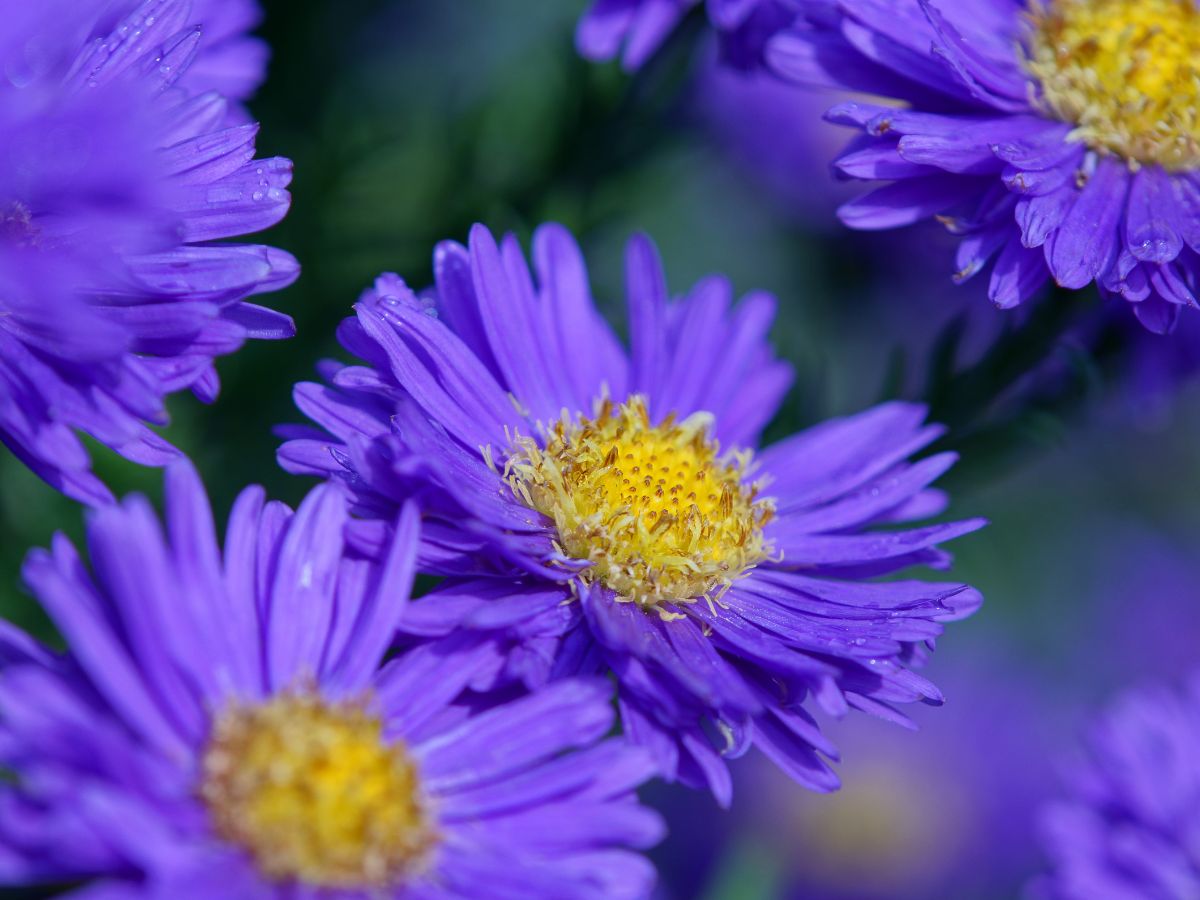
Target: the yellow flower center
(1126, 73)
(314, 793)
(660, 513)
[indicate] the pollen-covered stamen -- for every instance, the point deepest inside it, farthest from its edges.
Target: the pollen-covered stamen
(1126, 73)
(658, 511)
(316, 795)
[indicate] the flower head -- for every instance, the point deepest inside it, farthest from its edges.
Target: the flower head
(1129, 828)
(604, 510)
(222, 726)
(1059, 138)
(636, 29)
(119, 180)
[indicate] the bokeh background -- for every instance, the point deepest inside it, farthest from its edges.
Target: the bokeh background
(410, 120)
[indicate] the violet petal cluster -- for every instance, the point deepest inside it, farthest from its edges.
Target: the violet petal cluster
(1130, 824)
(974, 143)
(128, 753)
(123, 180)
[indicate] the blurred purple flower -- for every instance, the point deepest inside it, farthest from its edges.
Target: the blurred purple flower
(636, 29)
(118, 187)
(1156, 367)
(1130, 825)
(222, 727)
(774, 132)
(583, 491)
(1140, 602)
(908, 793)
(1032, 132)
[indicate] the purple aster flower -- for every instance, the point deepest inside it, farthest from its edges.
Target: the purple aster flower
(1059, 138)
(636, 29)
(1130, 826)
(222, 727)
(606, 510)
(118, 189)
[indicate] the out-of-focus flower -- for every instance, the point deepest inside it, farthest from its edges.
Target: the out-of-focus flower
(118, 186)
(634, 30)
(610, 514)
(1130, 826)
(968, 784)
(1039, 133)
(1156, 366)
(774, 132)
(1140, 604)
(221, 727)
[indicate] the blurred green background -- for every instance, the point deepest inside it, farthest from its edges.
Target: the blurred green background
(409, 121)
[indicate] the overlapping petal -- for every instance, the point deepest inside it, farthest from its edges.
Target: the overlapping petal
(970, 110)
(108, 744)
(122, 170)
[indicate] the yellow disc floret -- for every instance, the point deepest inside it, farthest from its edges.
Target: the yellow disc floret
(1126, 73)
(658, 511)
(315, 794)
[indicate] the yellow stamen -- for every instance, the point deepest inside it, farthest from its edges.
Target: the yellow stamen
(658, 511)
(314, 793)
(1126, 73)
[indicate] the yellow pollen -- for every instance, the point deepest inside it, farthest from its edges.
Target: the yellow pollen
(1126, 73)
(314, 793)
(658, 511)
